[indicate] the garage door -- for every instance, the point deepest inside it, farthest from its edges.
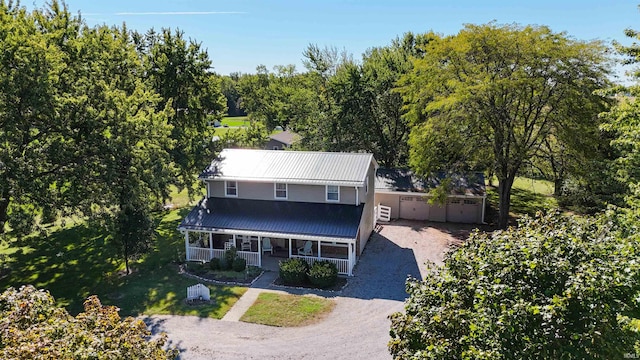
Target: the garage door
(414, 208)
(463, 210)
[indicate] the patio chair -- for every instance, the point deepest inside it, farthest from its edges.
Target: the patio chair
(306, 249)
(246, 243)
(266, 245)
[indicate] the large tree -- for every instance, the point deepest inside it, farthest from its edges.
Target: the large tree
(552, 288)
(494, 93)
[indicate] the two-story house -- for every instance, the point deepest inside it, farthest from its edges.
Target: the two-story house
(311, 205)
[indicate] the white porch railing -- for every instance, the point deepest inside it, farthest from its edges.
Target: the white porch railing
(206, 254)
(341, 264)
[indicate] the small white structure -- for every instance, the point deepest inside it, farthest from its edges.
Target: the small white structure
(198, 292)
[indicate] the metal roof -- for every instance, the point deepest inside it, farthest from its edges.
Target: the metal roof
(307, 167)
(295, 218)
(286, 137)
(404, 180)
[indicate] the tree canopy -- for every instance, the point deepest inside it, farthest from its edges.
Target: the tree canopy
(552, 288)
(489, 96)
(32, 326)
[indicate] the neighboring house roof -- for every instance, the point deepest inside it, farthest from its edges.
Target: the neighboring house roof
(284, 217)
(403, 180)
(286, 137)
(293, 167)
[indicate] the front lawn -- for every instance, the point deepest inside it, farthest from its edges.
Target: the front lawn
(75, 262)
(288, 310)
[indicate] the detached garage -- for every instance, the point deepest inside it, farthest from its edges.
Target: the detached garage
(406, 195)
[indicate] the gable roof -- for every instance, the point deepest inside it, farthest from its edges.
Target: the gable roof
(280, 217)
(293, 167)
(286, 137)
(404, 180)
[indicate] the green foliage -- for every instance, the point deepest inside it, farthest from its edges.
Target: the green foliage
(215, 264)
(491, 95)
(32, 326)
(552, 288)
(228, 258)
(293, 271)
(239, 264)
(323, 274)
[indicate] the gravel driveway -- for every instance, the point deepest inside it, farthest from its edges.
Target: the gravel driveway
(358, 328)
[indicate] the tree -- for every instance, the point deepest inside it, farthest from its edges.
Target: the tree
(496, 93)
(33, 326)
(180, 72)
(552, 288)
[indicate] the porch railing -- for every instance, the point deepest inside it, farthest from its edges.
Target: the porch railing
(341, 264)
(206, 254)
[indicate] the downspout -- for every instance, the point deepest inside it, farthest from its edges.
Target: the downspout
(357, 196)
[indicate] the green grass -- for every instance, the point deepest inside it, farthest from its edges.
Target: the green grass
(528, 196)
(75, 262)
(181, 198)
(235, 121)
(221, 131)
(288, 310)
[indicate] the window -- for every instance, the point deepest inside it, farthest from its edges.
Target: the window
(280, 190)
(231, 188)
(470, 202)
(333, 193)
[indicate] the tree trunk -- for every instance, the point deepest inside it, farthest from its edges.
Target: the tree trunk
(557, 186)
(4, 206)
(504, 200)
(126, 256)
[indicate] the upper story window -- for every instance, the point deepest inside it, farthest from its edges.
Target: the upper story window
(280, 190)
(231, 188)
(333, 193)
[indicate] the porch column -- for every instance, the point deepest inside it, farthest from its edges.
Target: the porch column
(351, 258)
(319, 247)
(289, 248)
(186, 245)
(260, 251)
(210, 246)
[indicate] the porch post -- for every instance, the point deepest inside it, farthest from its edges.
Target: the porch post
(210, 246)
(186, 245)
(260, 251)
(289, 248)
(319, 246)
(351, 251)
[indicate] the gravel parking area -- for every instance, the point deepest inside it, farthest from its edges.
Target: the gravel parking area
(358, 328)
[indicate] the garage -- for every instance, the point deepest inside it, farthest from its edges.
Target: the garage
(414, 208)
(405, 194)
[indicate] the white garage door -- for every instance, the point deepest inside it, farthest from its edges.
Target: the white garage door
(414, 208)
(463, 210)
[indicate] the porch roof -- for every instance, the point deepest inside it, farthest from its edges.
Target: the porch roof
(285, 217)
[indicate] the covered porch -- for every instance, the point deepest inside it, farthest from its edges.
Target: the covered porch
(206, 244)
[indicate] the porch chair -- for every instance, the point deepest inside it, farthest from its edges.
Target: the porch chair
(246, 243)
(266, 245)
(306, 249)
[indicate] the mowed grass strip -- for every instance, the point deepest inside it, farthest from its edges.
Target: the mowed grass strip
(286, 310)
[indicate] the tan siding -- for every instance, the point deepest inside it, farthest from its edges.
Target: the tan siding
(216, 188)
(367, 221)
(348, 195)
(307, 193)
(390, 200)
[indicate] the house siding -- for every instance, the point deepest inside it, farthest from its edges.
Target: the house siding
(295, 192)
(390, 200)
(367, 222)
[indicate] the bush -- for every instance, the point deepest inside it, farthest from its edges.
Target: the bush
(214, 264)
(323, 274)
(228, 258)
(293, 271)
(239, 264)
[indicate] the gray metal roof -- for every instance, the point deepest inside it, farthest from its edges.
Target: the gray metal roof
(285, 217)
(307, 167)
(404, 180)
(286, 137)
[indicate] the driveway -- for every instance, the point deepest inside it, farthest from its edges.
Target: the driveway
(358, 328)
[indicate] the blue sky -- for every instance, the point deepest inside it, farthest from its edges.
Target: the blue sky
(242, 34)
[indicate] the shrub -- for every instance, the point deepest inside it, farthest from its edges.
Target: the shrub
(214, 264)
(229, 256)
(239, 264)
(323, 274)
(293, 271)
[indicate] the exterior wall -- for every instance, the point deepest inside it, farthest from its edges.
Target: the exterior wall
(367, 222)
(390, 200)
(271, 144)
(295, 192)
